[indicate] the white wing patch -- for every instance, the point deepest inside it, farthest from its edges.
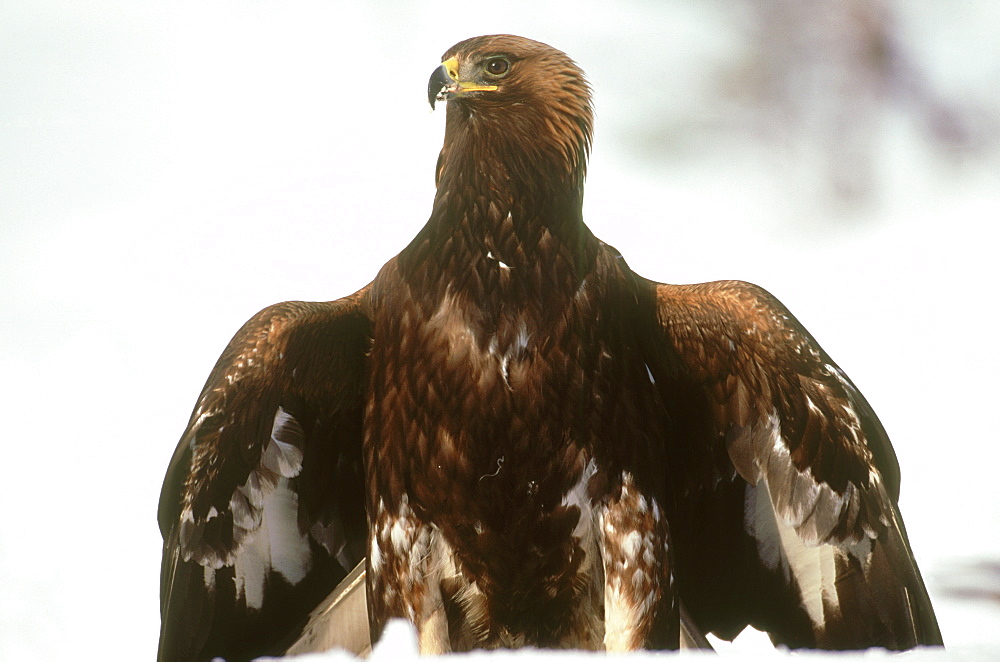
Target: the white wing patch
(792, 517)
(812, 567)
(812, 508)
(278, 545)
(280, 457)
(290, 556)
(266, 536)
(270, 507)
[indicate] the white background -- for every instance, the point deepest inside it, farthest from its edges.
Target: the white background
(168, 168)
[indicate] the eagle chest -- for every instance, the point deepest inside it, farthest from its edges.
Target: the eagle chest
(457, 401)
(495, 454)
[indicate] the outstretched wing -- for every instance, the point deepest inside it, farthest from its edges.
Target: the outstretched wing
(786, 482)
(262, 510)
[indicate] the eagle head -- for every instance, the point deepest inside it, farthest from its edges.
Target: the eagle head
(527, 99)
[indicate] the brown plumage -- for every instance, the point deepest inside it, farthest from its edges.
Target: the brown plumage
(550, 450)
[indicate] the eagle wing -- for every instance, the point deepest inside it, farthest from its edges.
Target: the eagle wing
(262, 510)
(786, 479)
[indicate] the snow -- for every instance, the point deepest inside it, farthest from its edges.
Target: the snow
(399, 642)
(169, 168)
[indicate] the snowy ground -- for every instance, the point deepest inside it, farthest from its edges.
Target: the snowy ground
(169, 168)
(399, 643)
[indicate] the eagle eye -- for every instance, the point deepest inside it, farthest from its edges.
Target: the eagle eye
(498, 66)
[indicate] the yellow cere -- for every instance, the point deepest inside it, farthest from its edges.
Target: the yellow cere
(451, 66)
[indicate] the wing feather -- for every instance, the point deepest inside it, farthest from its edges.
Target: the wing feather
(789, 519)
(262, 508)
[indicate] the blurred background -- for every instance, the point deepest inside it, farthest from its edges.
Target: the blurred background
(168, 168)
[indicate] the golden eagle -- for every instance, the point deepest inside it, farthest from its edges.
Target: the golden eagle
(527, 443)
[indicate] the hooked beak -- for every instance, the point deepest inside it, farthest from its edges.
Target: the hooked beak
(441, 83)
(445, 84)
